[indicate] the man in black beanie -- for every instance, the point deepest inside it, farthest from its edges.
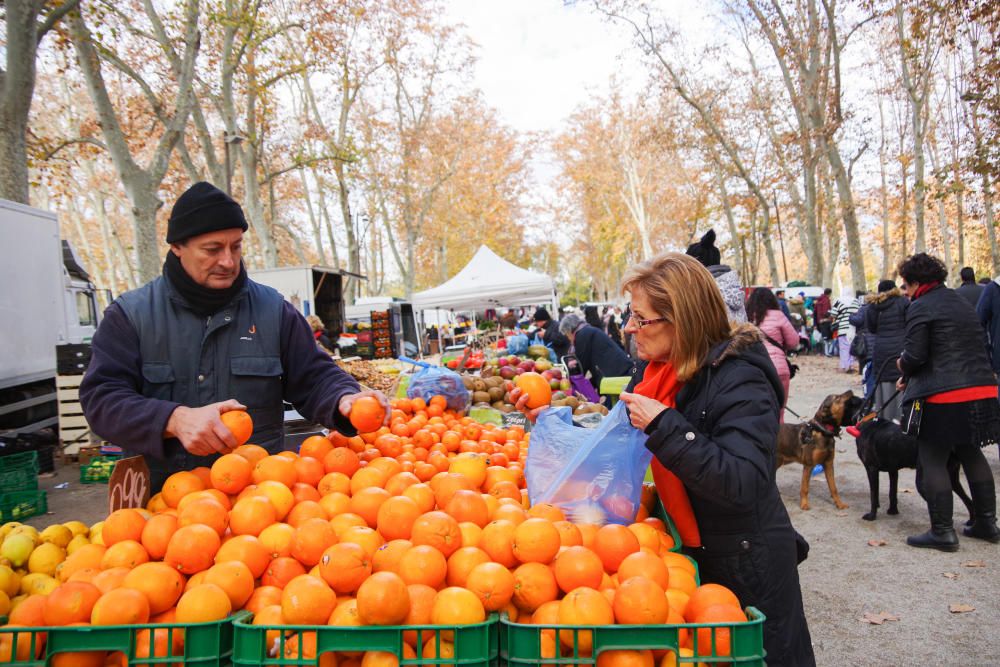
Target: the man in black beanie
(727, 279)
(549, 331)
(200, 340)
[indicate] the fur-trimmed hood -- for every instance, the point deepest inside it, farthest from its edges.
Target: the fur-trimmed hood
(741, 339)
(882, 297)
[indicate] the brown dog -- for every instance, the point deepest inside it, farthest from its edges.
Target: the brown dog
(814, 442)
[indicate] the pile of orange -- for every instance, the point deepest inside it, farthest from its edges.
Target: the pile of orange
(425, 521)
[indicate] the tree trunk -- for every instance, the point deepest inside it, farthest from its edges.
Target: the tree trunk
(848, 214)
(720, 182)
(313, 220)
(883, 193)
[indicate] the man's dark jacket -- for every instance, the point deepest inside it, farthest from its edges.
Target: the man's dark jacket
(599, 355)
(721, 443)
(988, 310)
(885, 317)
(551, 336)
(971, 291)
(945, 348)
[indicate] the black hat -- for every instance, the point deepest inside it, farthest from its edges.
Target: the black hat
(705, 251)
(886, 285)
(203, 208)
(541, 314)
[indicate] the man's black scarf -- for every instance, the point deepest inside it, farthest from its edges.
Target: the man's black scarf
(204, 301)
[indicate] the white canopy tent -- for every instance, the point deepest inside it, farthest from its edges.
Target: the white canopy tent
(489, 281)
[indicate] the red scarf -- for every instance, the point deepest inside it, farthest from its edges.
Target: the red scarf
(660, 382)
(924, 289)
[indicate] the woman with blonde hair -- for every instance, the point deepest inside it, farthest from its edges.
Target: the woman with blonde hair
(709, 397)
(319, 332)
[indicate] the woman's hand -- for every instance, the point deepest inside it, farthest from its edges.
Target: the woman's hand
(520, 400)
(642, 410)
(900, 385)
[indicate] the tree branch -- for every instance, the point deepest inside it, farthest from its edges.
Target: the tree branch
(48, 155)
(54, 16)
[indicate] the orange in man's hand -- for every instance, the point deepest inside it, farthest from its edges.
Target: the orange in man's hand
(367, 414)
(239, 423)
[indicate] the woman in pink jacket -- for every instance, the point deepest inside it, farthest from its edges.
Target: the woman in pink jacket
(779, 334)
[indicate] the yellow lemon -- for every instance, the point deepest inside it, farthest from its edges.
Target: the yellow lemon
(45, 558)
(57, 534)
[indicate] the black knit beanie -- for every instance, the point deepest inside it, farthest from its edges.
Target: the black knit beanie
(541, 315)
(886, 285)
(203, 208)
(705, 251)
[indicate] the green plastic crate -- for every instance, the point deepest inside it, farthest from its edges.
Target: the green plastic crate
(96, 473)
(520, 644)
(19, 472)
(475, 645)
(21, 505)
(205, 644)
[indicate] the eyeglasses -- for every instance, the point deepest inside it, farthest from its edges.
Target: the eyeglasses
(639, 324)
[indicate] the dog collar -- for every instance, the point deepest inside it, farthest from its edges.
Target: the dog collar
(819, 426)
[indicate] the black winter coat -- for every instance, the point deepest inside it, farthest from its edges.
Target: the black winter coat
(945, 348)
(559, 343)
(599, 355)
(858, 320)
(885, 317)
(988, 310)
(721, 443)
(972, 292)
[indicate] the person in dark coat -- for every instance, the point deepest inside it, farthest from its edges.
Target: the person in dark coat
(857, 320)
(944, 365)
(727, 280)
(171, 357)
(708, 397)
(969, 288)
(885, 318)
(821, 316)
(988, 310)
(549, 330)
(596, 352)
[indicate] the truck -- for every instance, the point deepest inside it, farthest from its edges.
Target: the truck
(312, 289)
(49, 311)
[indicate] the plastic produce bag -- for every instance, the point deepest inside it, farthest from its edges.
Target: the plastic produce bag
(540, 342)
(594, 475)
(517, 345)
(437, 381)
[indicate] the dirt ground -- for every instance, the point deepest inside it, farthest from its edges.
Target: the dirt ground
(844, 578)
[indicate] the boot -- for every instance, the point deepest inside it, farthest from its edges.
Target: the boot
(942, 535)
(984, 500)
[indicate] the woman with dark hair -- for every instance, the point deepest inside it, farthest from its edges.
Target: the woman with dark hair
(779, 334)
(944, 367)
(592, 317)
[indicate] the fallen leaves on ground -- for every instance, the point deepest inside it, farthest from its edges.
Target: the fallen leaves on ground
(960, 608)
(974, 563)
(951, 575)
(877, 543)
(879, 618)
(906, 490)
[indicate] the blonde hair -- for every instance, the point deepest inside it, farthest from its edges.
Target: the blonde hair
(684, 292)
(315, 322)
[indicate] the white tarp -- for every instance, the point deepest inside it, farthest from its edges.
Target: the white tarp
(489, 281)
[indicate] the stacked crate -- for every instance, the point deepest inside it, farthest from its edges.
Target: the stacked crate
(382, 334)
(71, 364)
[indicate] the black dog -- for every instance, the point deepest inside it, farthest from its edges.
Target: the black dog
(883, 447)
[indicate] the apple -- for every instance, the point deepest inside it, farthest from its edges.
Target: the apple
(564, 384)
(554, 384)
(543, 364)
(528, 366)
(556, 373)
(513, 360)
(545, 374)
(502, 361)
(507, 372)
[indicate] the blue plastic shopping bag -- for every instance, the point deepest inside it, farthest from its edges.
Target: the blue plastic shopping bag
(438, 381)
(593, 475)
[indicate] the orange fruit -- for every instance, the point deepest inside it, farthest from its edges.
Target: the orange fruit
(123, 524)
(71, 602)
(648, 536)
(383, 599)
(569, 534)
(345, 566)
(468, 506)
(626, 658)
(343, 460)
(612, 543)
(536, 541)
(546, 511)
(203, 603)
(682, 580)
(161, 584)
(497, 540)
(205, 511)
(367, 414)
(76, 658)
(534, 585)
(424, 565)
(640, 601)
(87, 557)
(709, 595)
(275, 469)
(262, 597)
(578, 566)
(156, 534)
(389, 555)
(121, 606)
(281, 570)
(239, 423)
(536, 387)
(127, 553)
(309, 470)
(158, 643)
(316, 446)
(192, 548)
(233, 577)
(583, 606)
(717, 614)
(179, 485)
(368, 539)
(366, 503)
(251, 515)
(421, 603)
(461, 563)
(251, 453)
(246, 549)
(270, 615)
(438, 530)
(108, 580)
(396, 516)
(30, 612)
(306, 600)
(493, 584)
(305, 509)
(644, 564)
(456, 606)
(312, 537)
(231, 473)
(673, 559)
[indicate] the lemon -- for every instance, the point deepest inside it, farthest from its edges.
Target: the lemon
(95, 530)
(30, 531)
(77, 528)
(17, 548)
(10, 581)
(57, 534)
(76, 543)
(4, 604)
(38, 583)
(45, 558)
(7, 527)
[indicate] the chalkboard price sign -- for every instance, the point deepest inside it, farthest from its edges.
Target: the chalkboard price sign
(516, 419)
(129, 485)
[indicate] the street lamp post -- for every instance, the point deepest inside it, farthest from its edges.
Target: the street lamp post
(227, 140)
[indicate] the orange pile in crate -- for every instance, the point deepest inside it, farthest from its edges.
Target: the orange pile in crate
(425, 521)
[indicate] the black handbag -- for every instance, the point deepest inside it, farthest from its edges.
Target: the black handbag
(912, 414)
(792, 368)
(859, 347)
